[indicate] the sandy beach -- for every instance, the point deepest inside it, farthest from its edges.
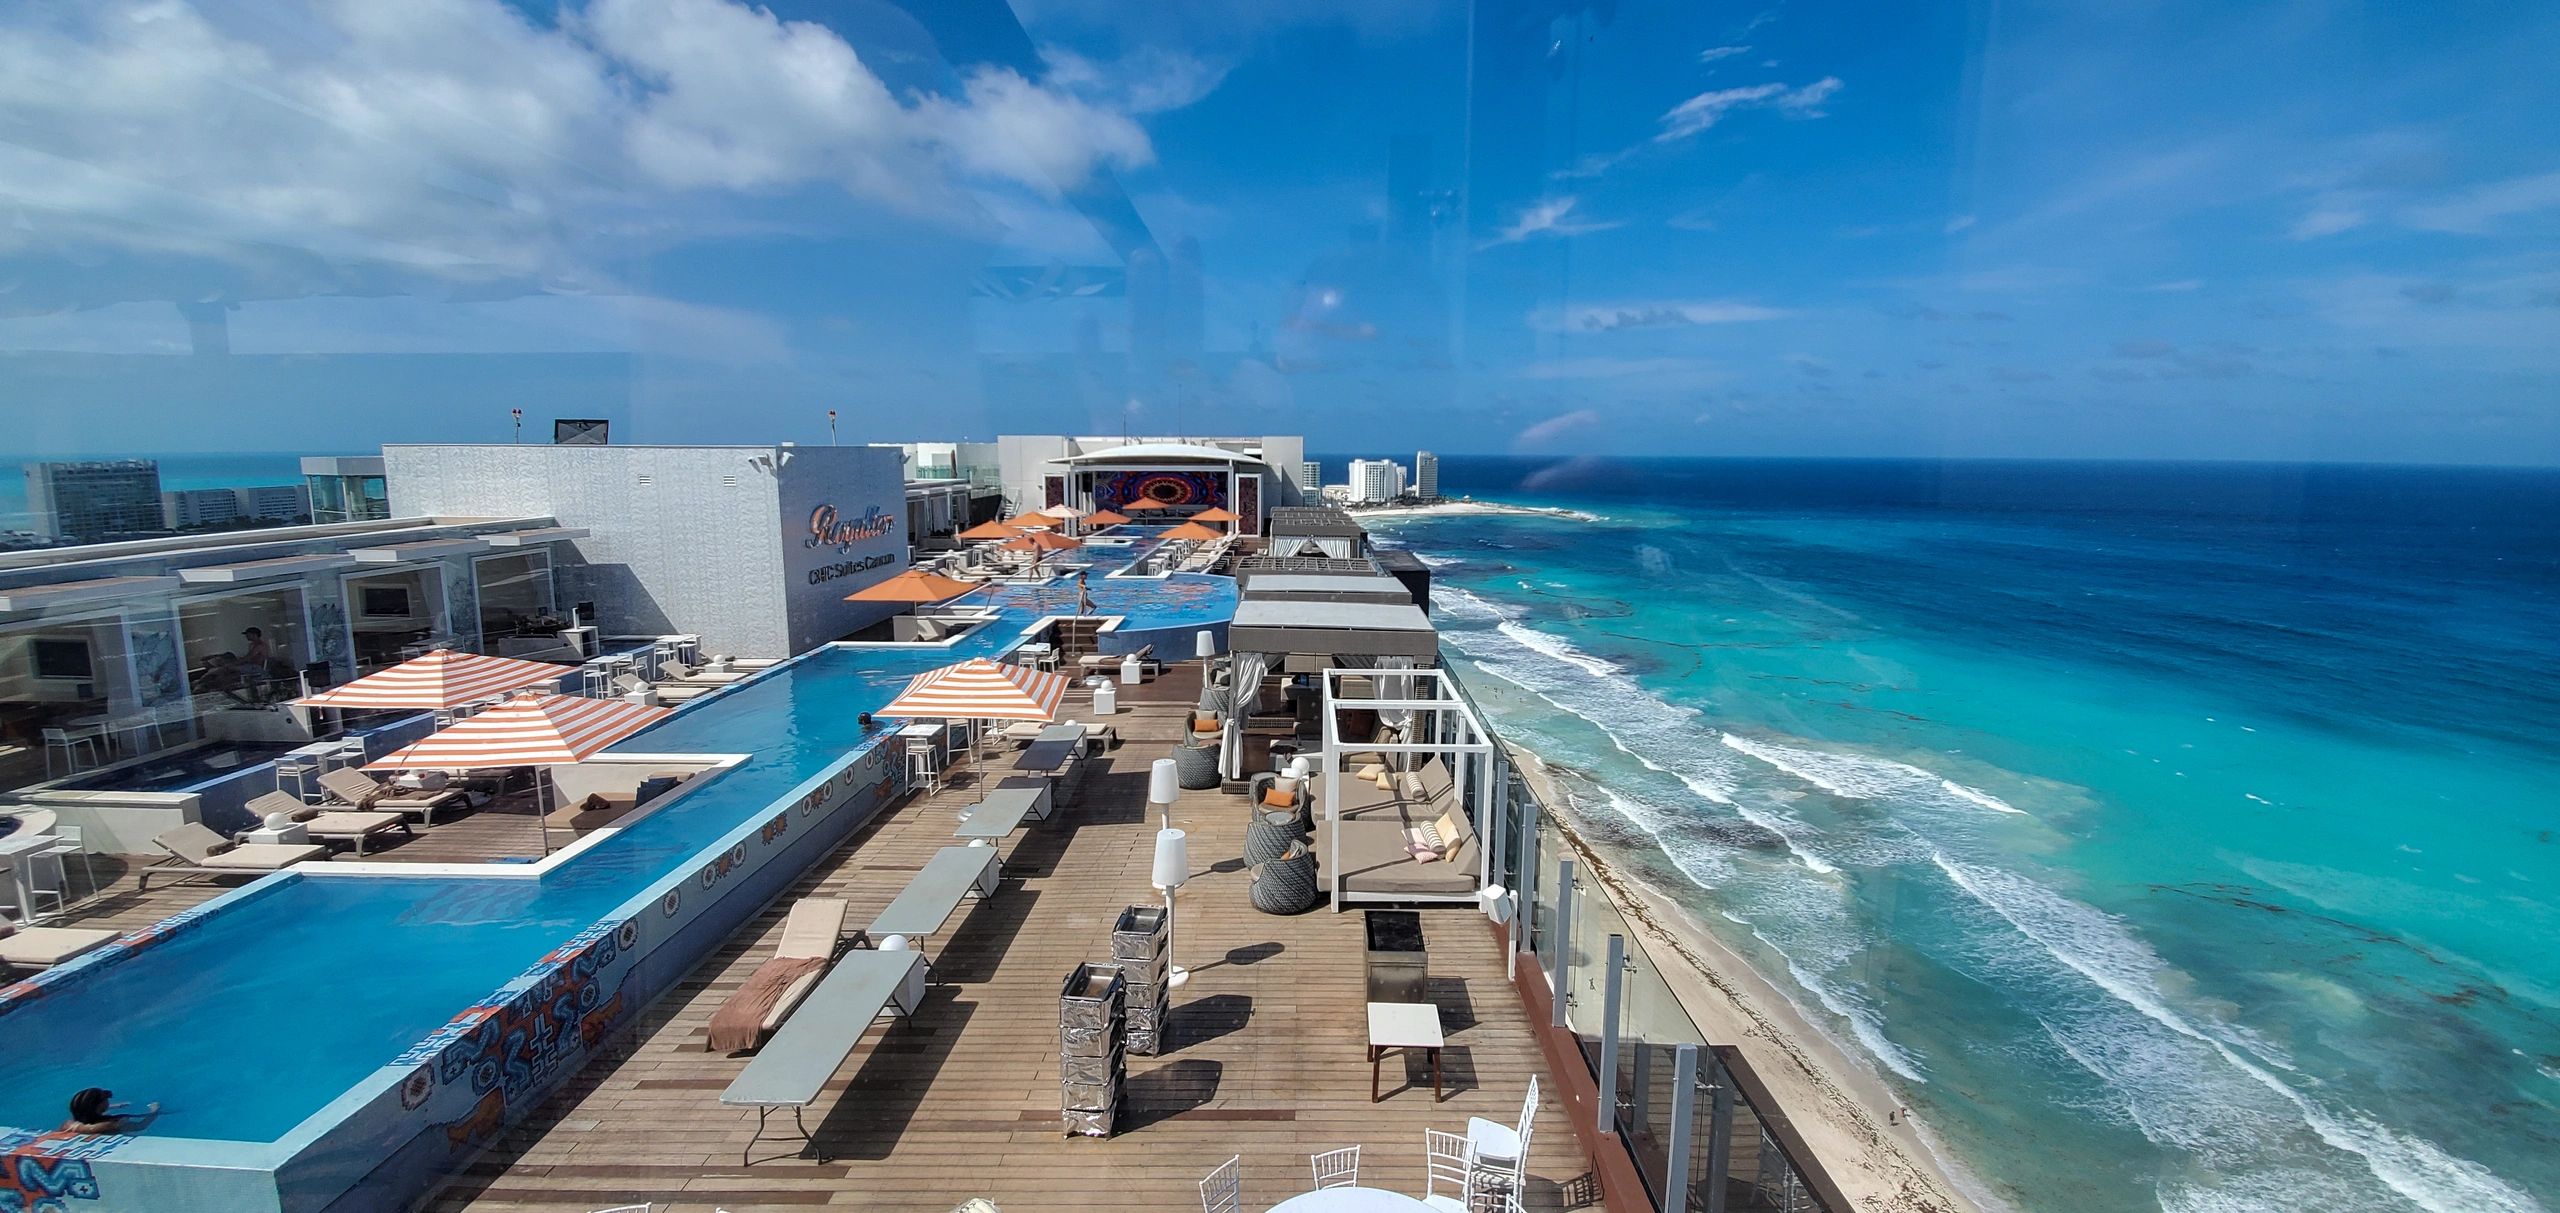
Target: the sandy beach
(1448, 509)
(1846, 1114)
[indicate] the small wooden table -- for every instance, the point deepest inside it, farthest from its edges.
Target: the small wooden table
(1404, 1025)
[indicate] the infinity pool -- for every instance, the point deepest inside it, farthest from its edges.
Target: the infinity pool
(244, 1025)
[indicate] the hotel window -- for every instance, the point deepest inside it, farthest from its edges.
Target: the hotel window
(67, 675)
(394, 616)
(243, 650)
(518, 607)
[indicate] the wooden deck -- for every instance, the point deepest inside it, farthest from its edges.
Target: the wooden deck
(961, 1100)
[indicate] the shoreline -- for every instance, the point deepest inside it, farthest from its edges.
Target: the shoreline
(1840, 1107)
(1451, 508)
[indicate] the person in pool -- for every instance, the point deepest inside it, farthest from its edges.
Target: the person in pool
(94, 1110)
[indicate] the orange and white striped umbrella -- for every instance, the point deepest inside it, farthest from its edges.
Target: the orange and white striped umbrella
(979, 689)
(441, 679)
(529, 731)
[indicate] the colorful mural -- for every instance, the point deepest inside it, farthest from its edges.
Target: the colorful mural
(1200, 489)
(510, 1051)
(44, 1172)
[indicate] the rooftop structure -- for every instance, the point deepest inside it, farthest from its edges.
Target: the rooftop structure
(751, 548)
(1249, 476)
(538, 1043)
(346, 488)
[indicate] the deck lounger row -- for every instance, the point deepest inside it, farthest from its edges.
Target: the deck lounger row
(794, 1067)
(936, 893)
(194, 850)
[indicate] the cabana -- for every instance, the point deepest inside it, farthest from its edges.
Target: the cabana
(1407, 767)
(1411, 779)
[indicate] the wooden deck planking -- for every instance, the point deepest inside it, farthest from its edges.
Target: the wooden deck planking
(961, 1100)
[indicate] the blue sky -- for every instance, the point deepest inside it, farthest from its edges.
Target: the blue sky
(2171, 230)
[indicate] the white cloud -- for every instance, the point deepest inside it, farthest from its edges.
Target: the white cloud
(2476, 211)
(2174, 286)
(1713, 53)
(2327, 221)
(1148, 80)
(1958, 224)
(456, 140)
(1551, 217)
(1556, 427)
(1653, 313)
(1708, 108)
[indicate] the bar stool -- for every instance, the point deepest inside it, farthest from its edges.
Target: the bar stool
(70, 742)
(67, 841)
(924, 768)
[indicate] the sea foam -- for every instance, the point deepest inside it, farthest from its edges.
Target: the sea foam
(2169, 1092)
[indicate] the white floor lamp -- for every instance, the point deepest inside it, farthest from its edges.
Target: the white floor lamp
(1173, 866)
(1163, 784)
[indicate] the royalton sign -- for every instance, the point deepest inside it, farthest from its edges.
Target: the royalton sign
(827, 529)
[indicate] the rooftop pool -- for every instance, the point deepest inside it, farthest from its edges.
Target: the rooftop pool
(281, 998)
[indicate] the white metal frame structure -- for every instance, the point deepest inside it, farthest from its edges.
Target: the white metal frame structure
(1439, 721)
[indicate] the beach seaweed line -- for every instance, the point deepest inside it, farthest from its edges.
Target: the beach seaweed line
(1915, 1188)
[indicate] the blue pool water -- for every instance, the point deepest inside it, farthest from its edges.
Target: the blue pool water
(266, 979)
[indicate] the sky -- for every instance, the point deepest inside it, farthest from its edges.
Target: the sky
(2291, 231)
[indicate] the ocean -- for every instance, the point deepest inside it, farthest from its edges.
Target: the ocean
(2171, 837)
(238, 470)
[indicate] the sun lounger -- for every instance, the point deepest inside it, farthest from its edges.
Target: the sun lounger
(679, 672)
(195, 850)
(936, 892)
(330, 825)
(794, 1067)
(811, 936)
(1102, 662)
(45, 947)
(364, 792)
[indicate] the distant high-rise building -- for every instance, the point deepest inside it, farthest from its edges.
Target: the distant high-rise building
(1311, 479)
(90, 501)
(1375, 480)
(1426, 475)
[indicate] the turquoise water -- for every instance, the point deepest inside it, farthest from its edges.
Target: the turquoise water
(171, 1025)
(2188, 847)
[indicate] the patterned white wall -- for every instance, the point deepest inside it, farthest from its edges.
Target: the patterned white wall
(706, 540)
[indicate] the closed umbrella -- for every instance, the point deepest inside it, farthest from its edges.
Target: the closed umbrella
(540, 731)
(439, 681)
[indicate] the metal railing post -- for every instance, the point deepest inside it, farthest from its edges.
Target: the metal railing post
(1562, 969)
(1720, 1146)
(1684, 1098)
(1609, 1034)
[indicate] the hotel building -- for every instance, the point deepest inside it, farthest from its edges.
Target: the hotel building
(95, 499)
